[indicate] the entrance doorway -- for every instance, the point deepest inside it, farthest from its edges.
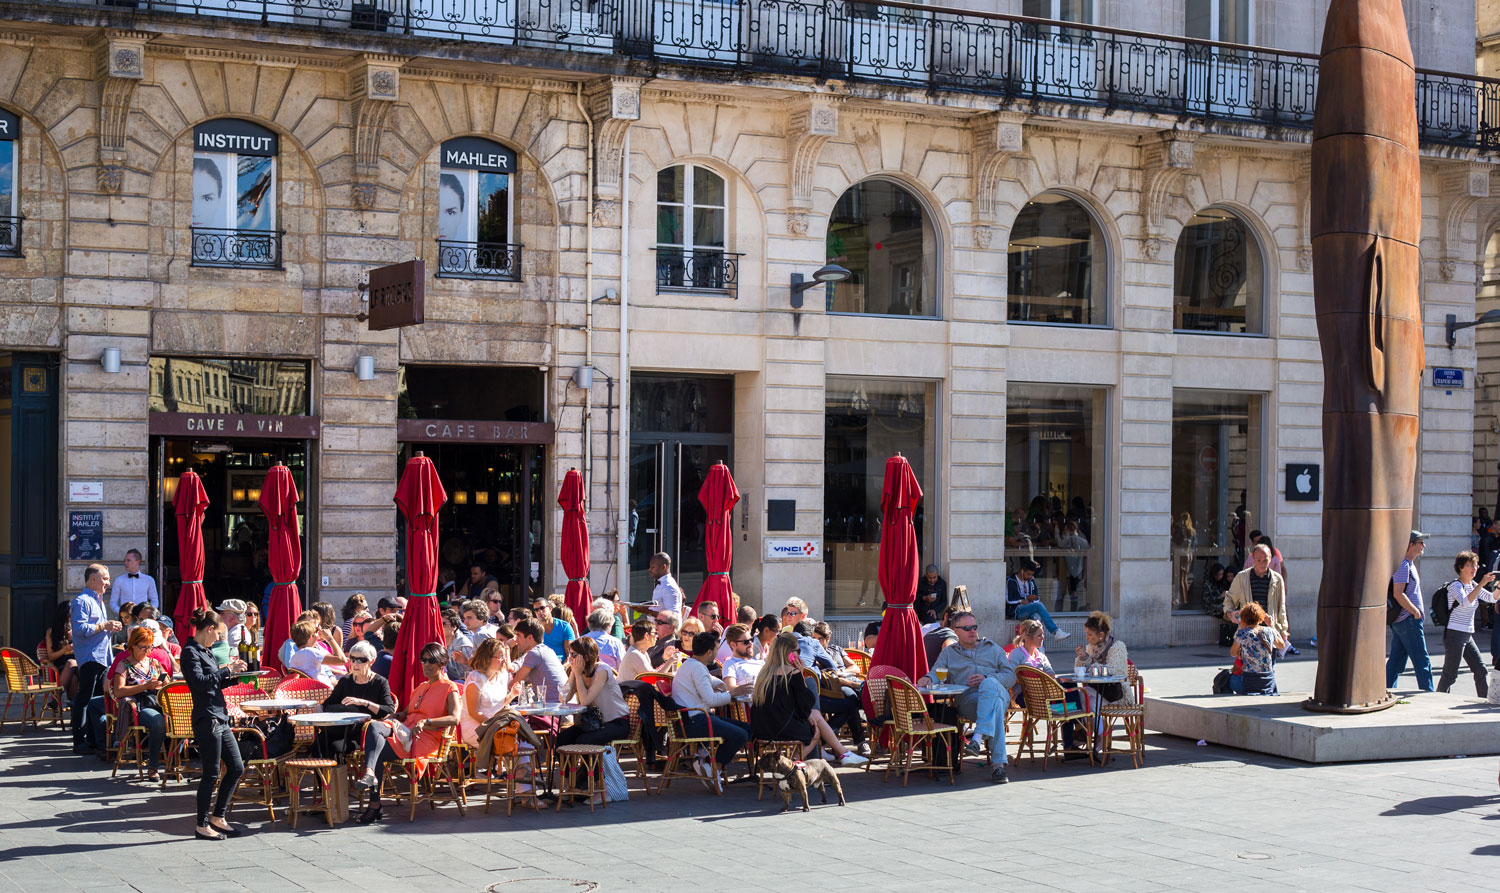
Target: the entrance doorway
(680, 427)
(235, 532)
(493, 517)
(28, 498)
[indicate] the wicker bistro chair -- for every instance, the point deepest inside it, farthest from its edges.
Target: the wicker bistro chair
(261, 783)
(423, 786)
(301, 687)
(266, 684)
(860, 657)
(912, 727)
(1132, 717)
(30, 680)
(177, 706)
(634, 742)
(678, 744)
(297, 768)
(765, 778)
(877, 705)
(56, 703)
(506, 753)
(1047, 704)
(131, 750)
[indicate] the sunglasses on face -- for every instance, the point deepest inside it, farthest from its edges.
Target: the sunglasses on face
(968, 629)
(359, 660)
(437, 661)
(663, 623)
(494, 601)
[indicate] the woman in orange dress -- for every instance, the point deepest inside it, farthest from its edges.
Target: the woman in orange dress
(416, 732)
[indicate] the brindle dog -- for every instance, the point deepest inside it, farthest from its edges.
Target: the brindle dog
(797, 777)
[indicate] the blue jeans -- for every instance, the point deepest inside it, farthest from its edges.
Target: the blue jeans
(734, 735)
(1407, 641)
(986, 707)
(1039, 611)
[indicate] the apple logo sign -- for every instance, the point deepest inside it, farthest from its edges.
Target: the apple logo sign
(1301, 483)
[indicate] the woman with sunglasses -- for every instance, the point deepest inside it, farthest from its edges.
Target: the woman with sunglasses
(362, 691)
(433, 708)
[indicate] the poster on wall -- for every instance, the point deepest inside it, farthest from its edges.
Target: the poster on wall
(85, 536)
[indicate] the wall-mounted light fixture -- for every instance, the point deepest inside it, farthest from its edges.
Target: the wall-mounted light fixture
(821, 276)
(110, 360)
(364, 368)
(583, 377)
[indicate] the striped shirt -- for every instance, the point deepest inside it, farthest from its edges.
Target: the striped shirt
(1461, 613)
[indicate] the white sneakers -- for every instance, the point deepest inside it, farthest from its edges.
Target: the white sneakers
(850, 758)
(1062, 634)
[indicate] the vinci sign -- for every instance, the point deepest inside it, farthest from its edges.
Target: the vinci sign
(805, 548)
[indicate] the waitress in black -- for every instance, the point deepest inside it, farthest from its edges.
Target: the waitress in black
(211, 732)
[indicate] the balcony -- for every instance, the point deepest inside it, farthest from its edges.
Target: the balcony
(1021, 60)
(479, 260)
(10, 236)
(236, 248)
(699, 271)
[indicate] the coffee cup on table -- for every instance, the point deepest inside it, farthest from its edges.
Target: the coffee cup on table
(1080, 671)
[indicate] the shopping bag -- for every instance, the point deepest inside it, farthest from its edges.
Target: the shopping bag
(615, 788)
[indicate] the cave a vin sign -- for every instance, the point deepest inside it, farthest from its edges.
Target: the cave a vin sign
(396, 295)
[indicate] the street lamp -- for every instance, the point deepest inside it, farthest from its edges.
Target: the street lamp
(822, 276)
(1454, 326)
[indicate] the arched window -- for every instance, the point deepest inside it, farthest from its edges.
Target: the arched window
(1220, 276)
(476, 222)
(882, 235)
(10, 205)
(1055, 249)
(692, 231)
(234, 195)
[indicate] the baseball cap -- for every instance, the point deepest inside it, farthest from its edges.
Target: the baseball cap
(158, 640)
(1416, 536)
(388, 604)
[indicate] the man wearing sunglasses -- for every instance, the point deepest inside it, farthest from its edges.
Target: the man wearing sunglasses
(990, 674)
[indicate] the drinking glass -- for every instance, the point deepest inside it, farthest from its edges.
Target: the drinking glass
(942, 676)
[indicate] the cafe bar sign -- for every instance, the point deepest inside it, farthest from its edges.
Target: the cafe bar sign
(208, 424)
(455, 431)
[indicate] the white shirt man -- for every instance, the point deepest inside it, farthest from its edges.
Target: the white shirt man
(134, 586)
(667, 595)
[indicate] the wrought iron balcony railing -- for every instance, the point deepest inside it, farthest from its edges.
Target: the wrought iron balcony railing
(700, 270)
(1021, 59)
(10, 236)
(479, 260)
(239, 248)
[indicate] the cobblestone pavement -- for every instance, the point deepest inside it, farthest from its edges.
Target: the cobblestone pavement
(1194, 818)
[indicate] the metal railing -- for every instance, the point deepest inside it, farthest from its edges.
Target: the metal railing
(479, 260)
(700, 270)
(240, 248)
(10, 236)
(1021, 59)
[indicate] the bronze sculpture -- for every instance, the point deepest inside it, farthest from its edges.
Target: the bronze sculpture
(1366, 222)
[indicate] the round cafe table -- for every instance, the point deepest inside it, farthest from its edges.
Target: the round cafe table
(340, 797)
(276, 705)
(942, 690)
(550, 710)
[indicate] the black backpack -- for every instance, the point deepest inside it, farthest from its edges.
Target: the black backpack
(1441, 606)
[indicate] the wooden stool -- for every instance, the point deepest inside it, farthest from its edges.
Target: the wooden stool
(587, 758)
(510, 763)
(323, 770)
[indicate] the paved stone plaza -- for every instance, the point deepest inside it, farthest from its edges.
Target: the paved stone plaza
(1195, 818)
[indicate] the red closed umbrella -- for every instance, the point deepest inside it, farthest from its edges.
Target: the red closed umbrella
(718, 496)
(278, 500)
(575, 548)
(190, 504)
(900, 641)
(419, 496)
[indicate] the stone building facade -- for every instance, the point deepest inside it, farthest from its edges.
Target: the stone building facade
(1115, 400)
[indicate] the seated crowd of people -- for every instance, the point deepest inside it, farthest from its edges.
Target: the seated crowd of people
(493, 659)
